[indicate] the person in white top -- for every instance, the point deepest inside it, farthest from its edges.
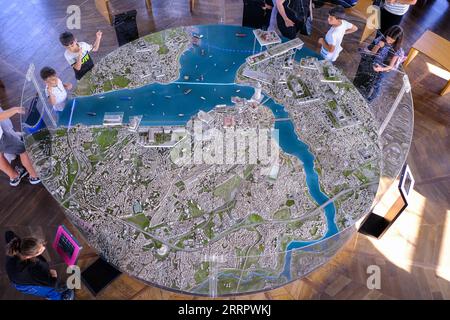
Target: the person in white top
(11, 143)
(331, 45)
(55, 90)
(77, 53)
(392, 12)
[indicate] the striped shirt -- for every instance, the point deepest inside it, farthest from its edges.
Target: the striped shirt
(398, 9)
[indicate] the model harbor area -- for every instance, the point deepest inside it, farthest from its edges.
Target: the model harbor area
(193, 154)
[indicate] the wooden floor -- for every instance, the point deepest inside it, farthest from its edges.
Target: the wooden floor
(414, 255)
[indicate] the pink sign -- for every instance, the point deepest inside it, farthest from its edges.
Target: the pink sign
(66, 245)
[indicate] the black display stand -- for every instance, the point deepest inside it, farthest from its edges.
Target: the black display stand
(394, 201)
(126, 27)
(99, 275)
(374, 226)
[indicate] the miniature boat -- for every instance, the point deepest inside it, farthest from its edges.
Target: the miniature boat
(125, 98)
(181, 114)
(167, 97)
(221, 98)
(102, 97)
(93, 114)
(186, 78)
(203, 98)
(187, 91)
(240, 35)
(238, 90)
(226, 70)
(197, 35)
(203, 52)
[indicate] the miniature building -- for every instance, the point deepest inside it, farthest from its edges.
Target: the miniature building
(113, 119)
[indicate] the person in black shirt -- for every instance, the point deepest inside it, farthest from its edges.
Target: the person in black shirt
(292, 16)
(257, 14)
(28, 270)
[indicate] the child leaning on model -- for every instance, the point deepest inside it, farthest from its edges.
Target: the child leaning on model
(55, 90)
(380, 57)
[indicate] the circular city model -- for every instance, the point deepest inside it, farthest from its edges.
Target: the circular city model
(213, 159)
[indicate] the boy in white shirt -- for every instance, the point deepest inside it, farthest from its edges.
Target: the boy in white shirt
(77, 53)
(55, 90)
(331, 45)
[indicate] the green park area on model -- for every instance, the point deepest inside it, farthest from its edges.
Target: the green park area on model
(139, 220)
(158, 39)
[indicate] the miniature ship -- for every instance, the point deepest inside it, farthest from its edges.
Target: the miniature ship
(241, 35)
(187, 91)
(203, 98)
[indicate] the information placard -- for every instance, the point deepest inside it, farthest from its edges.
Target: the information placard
(66, 245)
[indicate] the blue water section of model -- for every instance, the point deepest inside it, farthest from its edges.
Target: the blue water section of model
(207, 73)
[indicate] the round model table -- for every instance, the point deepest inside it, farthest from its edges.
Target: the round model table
(139, 159)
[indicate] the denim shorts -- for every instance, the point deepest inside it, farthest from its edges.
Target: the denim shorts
(11, 143)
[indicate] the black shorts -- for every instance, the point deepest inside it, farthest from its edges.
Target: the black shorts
(11, 143)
